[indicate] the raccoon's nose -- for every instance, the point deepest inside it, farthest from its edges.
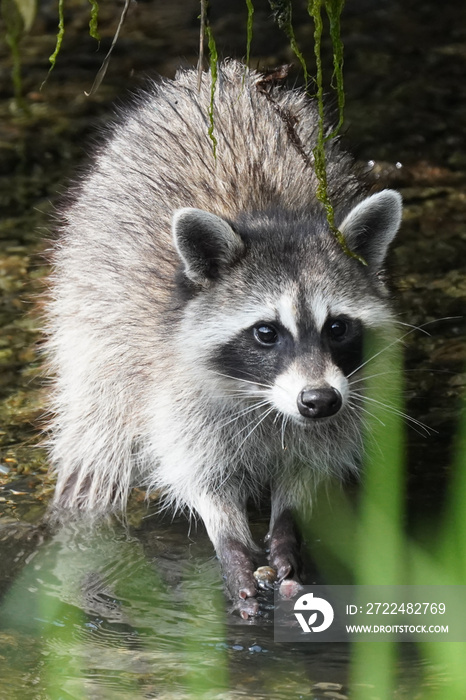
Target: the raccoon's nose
(319, 403)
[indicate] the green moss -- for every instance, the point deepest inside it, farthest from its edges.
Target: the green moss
(93, 22)
(60, 35)
(250, 7)
(334, 8)
(213, 61)
(283, 14)
(206, 30)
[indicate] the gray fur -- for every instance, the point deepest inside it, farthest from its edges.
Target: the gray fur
(139, 315)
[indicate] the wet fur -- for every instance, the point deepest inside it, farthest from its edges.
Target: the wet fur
(135, 342)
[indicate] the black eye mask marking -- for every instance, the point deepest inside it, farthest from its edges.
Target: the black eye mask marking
(263, 351)
(343, 337)
(258, 353)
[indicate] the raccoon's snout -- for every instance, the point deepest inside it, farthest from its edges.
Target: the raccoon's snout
(319, 403)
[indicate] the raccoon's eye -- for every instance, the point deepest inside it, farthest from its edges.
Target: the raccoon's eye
(265, 335)
(337, 328)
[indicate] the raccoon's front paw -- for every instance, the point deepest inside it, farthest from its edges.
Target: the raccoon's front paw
(248, 607)
(244, 592)
(238, 568)
(284, 548)
(285, 561)
(245, 584)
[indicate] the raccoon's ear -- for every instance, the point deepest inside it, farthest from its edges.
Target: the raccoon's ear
(205, 243)
(371, 226)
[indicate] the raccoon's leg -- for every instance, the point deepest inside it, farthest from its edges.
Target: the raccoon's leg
(238, 569)
(227, 525)
(284, 554)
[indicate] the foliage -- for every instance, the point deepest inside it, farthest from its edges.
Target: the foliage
(334, 9)
(60, 35)
(93, 22)
(283, 14)
(370, 543)
(18, 16)
(249, 22)
(213, 62)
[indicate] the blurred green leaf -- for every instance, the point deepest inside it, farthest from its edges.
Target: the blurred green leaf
(28, 10)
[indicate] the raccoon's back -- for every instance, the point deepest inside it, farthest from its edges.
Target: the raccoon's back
(161, 158)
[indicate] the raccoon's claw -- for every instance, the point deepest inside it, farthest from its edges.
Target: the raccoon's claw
(289, 588)
(290, 569)
(249, 607)
(288, 579)
(285, 563)
(284, 572)
(247, 591)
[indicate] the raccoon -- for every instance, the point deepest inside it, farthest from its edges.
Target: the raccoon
(203, 320)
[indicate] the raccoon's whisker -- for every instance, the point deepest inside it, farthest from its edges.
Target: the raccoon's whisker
(246, 381)
(284, 422)
(371, 376)
(369, 436)
(234, 419)
(251, 422)
(360, 420)
(241, 391)
(401, 338)
(392, 409)
(358, 407)
(428, 323)
(394, 371)
(240, 394)
(414, 328)
(264, 416)
(243, 412)
(253, 377)
(241, 379)
(245, 391)
(372, 357)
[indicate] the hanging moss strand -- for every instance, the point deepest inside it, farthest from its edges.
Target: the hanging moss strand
(334, 9)
(93, 22)
(249, 23)
(213, 59)
(60, 35)
(320, 164)
(283, 14)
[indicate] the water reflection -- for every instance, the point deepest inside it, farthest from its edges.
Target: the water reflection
(100, 610)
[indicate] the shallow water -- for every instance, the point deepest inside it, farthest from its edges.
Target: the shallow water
(110, 614)
(140, 612)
